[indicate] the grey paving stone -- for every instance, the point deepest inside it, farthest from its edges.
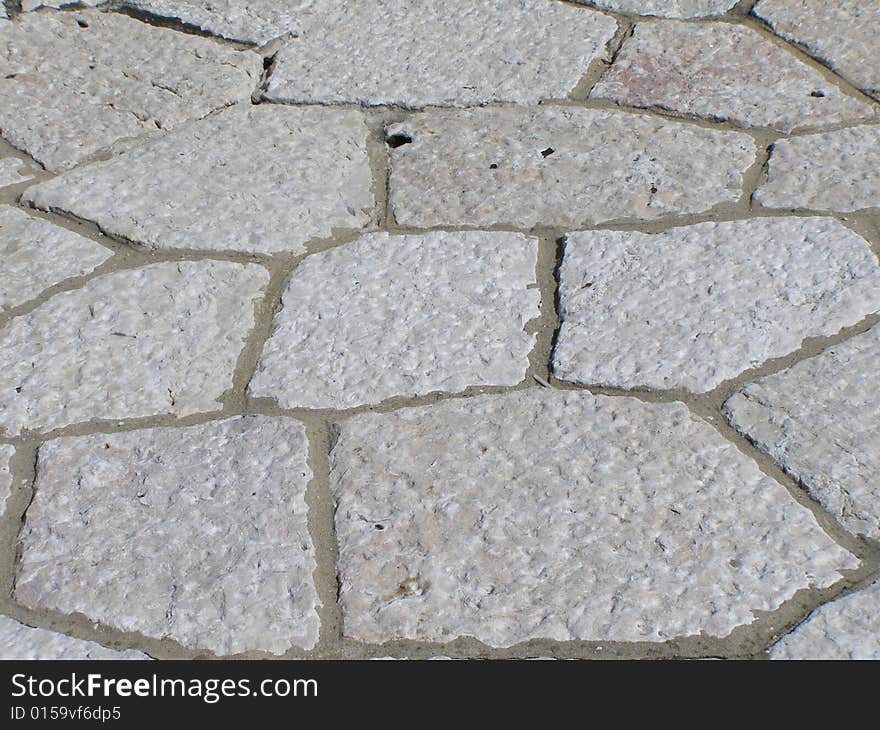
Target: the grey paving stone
(453, 53)
(835, 171)
(818, 420)
(692, 307)
(724, 72)
(556, 514)
(261, 179)
(13, 172)
(250, 21)
(18, 641)
(841, 33)
(666, 8)
(35, 254)
(6, 454)
(161, 339)
(72, 84)
(199, 534)
(558, 166)
(402, 315)
(848, 628)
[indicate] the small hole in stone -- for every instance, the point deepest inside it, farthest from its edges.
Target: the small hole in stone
(653, 189)
(546, 153)
(379, 527)
(82, 23)
(398, 140)
(493, 166)
(818, 93)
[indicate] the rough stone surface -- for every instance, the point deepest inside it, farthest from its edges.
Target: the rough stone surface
(841, 33)
(203, 534)
(836, 171)
(666, 8)
(72, 84)
(692, 307)
(6, 454)
(29, 5)
(528, 51)
(558, 167)
(818, 420)
(18, 641)
(402, 315)
(288, 175)
(161, 339)
(557, 514)
(35, 254)
(250, 21)
(13, 172)
(848, 628)
(724, 72)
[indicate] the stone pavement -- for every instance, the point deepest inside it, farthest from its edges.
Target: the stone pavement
(397, 328)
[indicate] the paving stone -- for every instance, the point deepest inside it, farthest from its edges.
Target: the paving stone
(528, 51)
(848, 628)
(13, 172)
(841, 33)
(556, 514)
(18, 641)
(203, 534)
(666, 8)
(724, 72)
(72, 84)
(250, 21)
(289, 175)
(835, 171)
(161, 339)
(35, 254)
(402, 316)
(29, 5)
(558, 166)
(692, 307)
(818, 420)
(6, 454)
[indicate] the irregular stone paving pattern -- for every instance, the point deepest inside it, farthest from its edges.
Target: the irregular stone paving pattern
(18, 641)
(834, 171)
(203, 534)
(161, 339)
(724, 72)
(528, 51)
(841, 33)
(6, 454)
(557, 514)
(72, 84)
(848, 628)
(35, 254)
(402, 315)
(251, 21)
(666, 8)
(558, 167)
(692, 307)
(13, 172)
(819, 421)
(288, 175)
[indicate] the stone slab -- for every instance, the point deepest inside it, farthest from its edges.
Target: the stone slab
(402, 316)
(666, 8)
(558, 166)
(818, 420)
(74, 83)
(6, 453)
(19, 642)
(560, 515)
(692, 307)
(35, 254)
(261, 179)
(528, 51)
(13, 172)
(724, 72)
(161, 339)
(198, 534)
(835, 171)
